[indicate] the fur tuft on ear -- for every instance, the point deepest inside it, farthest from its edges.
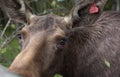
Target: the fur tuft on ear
(67, 19)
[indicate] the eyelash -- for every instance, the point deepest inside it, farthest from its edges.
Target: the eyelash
(19, 36)
(62, 41)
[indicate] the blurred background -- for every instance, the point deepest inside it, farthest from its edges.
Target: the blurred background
(9, 43)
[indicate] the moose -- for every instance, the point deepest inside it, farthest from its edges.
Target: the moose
(81, 44)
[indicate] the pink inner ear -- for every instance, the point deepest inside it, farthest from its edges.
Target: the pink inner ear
(93, 9)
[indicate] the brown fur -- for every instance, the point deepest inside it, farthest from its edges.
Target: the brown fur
(90, 46)
(77, 48)
(83, 55)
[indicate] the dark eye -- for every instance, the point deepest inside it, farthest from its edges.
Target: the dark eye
(19, 36)
(62, 41)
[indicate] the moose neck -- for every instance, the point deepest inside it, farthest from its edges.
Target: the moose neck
(78, 43)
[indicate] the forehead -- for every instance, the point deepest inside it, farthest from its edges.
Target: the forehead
(46, 22)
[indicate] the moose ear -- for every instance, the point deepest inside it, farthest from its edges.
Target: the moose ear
(85, 12)
(17, 10)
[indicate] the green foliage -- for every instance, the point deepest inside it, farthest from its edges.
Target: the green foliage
(59, 7)
(107, 63)
(58, 75)
(109, 4)
(8, 53)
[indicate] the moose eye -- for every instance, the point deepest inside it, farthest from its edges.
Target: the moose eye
(19, 36)
(62, 41)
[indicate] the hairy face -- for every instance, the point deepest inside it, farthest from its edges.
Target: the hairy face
(43, 42)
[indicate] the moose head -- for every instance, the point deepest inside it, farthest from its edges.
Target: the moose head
(45, 39)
